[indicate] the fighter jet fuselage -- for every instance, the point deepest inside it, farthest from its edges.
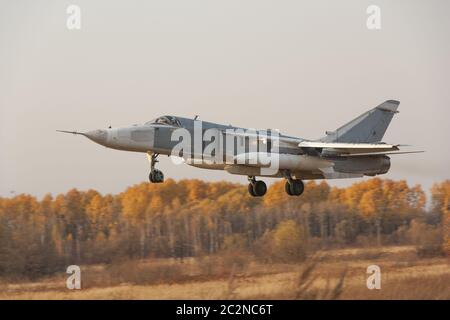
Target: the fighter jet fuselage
(353, 150)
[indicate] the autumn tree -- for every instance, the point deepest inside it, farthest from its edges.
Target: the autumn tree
(288, 242)
(440, 198)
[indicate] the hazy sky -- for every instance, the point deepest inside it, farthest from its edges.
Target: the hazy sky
(301, 66)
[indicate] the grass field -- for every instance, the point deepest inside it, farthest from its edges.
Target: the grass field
(334, 274)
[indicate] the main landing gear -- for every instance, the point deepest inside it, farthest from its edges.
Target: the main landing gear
(256, 188)
(294, 187)
(155, 176)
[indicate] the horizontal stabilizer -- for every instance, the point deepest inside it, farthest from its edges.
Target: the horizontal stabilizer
(348, 148)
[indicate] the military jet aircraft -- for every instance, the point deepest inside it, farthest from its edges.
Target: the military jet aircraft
(353, 150)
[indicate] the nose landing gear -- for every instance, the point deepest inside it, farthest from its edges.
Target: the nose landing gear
(155, 176)
(256, 188)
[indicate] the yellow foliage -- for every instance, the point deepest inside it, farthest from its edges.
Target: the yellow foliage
(193, 217)
(289, 241)
(440, 194)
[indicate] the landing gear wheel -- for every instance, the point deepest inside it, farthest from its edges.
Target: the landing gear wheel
(156, 176)
(256, 188)
(294, 187)
(259, 188)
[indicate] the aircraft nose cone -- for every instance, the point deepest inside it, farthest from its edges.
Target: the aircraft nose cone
(99, 136)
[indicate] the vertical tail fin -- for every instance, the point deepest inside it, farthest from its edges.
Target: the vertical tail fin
(368, 127)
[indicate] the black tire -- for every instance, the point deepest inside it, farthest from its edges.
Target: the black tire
(259, 188)
(294, 187)
(250, 190)
(150, 177)
(156, 176)
(297, 187)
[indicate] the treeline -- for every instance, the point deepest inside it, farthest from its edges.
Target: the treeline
(195, 218)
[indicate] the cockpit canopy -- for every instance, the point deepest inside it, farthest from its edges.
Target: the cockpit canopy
(167, 120)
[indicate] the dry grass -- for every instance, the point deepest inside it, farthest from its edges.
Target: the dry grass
(336, 274)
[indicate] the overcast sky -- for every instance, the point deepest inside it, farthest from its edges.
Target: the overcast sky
(300, 66)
